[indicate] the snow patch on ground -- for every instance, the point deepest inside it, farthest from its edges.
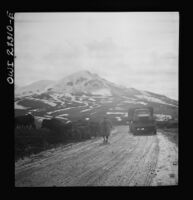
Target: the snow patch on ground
(73, 98)
(162, 117)
(39, 118)
(117, 113)
(48, 102)
(85, 110)
(92, 113)
(43, 100)
(35, 110)
(118, 118)
(56, 98)
(60, 110)
(60, 117)
(91, 99)
(17, 106)
(167, 165)
(134, 101)
(63, 115)
(118, 108)
(141, 102)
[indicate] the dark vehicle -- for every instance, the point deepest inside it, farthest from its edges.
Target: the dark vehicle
(141, 120)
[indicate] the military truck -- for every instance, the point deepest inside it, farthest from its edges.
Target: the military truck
(141, 120)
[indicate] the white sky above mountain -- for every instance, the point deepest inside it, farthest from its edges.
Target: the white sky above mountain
(135, 49)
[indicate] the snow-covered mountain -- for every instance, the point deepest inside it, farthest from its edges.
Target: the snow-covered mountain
(82, 81)
(86, 95)
(79, 82)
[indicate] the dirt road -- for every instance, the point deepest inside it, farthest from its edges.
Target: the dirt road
(127, 161)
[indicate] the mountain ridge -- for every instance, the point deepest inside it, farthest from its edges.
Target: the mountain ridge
(83, 81)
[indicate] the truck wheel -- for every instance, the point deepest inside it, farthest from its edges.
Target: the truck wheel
(155, 132)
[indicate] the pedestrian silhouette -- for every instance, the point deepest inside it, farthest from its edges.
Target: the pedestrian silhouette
(106, 127)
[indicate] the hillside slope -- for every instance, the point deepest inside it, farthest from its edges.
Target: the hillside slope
(87, 96)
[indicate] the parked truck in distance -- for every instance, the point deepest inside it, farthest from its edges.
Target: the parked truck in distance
(141, 120)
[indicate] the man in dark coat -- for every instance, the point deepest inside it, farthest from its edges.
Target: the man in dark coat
(106, 127)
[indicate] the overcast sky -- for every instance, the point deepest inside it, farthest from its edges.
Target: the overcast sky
(135, 49)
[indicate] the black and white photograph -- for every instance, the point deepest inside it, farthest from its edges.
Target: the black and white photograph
(96, 99)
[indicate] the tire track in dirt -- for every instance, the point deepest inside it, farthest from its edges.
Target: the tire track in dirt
(90, 176)
(146, 166)
(127, 170)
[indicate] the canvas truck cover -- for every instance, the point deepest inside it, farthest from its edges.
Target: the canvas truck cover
(132, 111)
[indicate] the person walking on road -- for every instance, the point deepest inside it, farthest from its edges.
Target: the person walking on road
(106, 127)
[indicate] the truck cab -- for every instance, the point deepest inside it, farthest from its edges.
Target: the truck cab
(141, 120)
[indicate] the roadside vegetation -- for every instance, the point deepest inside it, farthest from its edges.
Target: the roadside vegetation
(32, 141)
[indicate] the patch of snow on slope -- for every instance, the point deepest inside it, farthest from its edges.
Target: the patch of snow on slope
(149, 98)
(49, 116)
(60, 117)
(56, 98)
(102, 92)
(60, 110)
(35, 110)
(41, 118)
(141, 102)
(118, 118)
(92, 113)
(85, 110)
(116, 113)
(133, 101)
(66, 109)
(73, 98)
(43, 100)
(63, 115)
(117, 108)
(17, 106)
(91, 99)
(48, 102)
